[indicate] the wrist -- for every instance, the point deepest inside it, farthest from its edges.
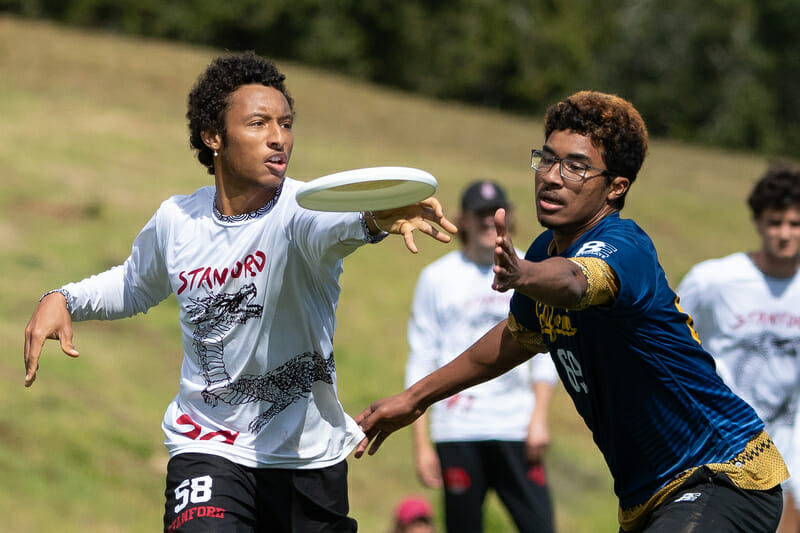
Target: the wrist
(416, 398)
(371, 227)
(64, 293)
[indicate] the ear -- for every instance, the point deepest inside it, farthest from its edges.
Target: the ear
(211, 139)
(618, 187)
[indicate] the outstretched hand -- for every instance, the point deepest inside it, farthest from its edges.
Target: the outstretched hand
(404, 220)
(383, 418)
(50, 320)
(506, 263)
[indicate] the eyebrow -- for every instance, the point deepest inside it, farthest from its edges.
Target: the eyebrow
(261, 114)
(574, 156)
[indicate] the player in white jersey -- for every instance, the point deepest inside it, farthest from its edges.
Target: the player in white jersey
(493, 435)
(256, 434)
(746, 310)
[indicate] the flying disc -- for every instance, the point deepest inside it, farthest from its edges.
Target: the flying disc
(367, 189)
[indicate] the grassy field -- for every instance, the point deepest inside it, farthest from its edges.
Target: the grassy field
(93, 138)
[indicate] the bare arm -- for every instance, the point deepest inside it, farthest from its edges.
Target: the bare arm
(426, 461)
(493, 354)
(538, 438)
(556, 281)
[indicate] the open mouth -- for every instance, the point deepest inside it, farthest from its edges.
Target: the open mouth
(550, 202)
(277, 161)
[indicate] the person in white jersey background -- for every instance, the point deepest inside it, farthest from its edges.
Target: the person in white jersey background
(256, 434)
(746, 310)
(491, 436)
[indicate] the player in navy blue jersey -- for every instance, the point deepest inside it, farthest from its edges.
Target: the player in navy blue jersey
(685, 452)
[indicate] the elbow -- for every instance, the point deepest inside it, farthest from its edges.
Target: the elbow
(573, 293)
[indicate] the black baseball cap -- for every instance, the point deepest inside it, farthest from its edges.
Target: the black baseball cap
(482, 195)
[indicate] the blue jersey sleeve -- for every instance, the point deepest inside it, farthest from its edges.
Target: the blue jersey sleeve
(631, 255)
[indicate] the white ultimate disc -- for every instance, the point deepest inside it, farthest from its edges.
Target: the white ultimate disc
(367, 189)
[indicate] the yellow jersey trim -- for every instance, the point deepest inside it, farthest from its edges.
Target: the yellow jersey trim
(532, 341)
(603, 284)
(759, 466)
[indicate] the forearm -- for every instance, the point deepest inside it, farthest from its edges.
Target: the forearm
(556, 281)
(492, 355)
(420, 437)
(112, 294)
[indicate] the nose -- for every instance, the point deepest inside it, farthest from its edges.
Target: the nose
(553, 175)
(276, 137)
(785, 230)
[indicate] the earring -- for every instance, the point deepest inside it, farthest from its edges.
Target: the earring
(216, 153)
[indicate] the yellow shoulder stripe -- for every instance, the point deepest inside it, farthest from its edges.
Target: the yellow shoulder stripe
(603, 282)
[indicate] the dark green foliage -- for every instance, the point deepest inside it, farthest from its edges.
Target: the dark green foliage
(721, 72)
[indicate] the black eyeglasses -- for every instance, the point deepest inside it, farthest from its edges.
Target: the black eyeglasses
(569, 169)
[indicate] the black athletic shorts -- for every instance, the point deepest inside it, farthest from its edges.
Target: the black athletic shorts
(471, 468)
(709, 501)
(209, 493)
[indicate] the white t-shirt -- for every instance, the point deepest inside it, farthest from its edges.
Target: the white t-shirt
(257, 295)
(750, 323)
(454, 305)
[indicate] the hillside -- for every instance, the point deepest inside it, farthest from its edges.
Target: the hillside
(94, 138)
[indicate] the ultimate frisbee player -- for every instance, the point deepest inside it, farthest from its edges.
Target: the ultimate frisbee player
(685, 452)
(256, 434)
(746, 309)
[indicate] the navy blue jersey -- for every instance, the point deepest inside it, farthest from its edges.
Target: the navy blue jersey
(635, 368)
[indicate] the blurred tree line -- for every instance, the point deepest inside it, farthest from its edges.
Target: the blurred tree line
(723, 72)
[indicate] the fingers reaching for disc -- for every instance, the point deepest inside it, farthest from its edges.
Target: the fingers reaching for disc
(416, 217)
(506, 262)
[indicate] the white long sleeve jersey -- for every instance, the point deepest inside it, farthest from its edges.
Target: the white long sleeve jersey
(257, 296)
(454, 305)
(750, 323)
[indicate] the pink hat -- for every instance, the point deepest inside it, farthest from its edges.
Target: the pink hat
(413, 508)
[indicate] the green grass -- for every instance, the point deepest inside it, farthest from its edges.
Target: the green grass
(93, 138)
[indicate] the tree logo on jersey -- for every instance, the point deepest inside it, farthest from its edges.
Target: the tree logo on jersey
(596, 248)
(215, 315)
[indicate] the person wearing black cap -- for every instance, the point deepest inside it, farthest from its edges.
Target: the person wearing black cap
(491, 436)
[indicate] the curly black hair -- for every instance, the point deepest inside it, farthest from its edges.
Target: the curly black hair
(613, 125)
(779, 188)
(208, 98)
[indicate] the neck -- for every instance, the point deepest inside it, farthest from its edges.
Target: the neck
(563, 237)
(232, 202)
(775, 267)
(479, 255)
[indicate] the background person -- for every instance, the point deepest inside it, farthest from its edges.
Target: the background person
(686, 454)
(257, 436)
(746, 310)
(493, 435)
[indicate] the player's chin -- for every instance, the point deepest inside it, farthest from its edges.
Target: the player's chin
(272, 179)
(546, 220)
(277, 171)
